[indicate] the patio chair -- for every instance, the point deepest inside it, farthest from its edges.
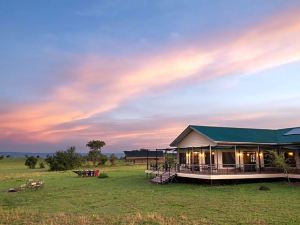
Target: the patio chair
(96, 173)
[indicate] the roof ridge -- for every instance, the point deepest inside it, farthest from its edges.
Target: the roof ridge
(239, 127)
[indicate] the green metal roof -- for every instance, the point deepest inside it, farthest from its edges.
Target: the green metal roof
(242, 135)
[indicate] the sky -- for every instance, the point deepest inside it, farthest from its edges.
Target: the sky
(135, 73)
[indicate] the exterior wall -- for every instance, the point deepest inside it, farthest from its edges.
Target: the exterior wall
(194, 139)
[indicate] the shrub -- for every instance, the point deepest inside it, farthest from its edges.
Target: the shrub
(103, 175)
(1, 157)
(264, 188)
(64, 160)
(113, 159)
(42, 165)
(31, 162)
(103, 159)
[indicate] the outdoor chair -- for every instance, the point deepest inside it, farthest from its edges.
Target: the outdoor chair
(96, 173)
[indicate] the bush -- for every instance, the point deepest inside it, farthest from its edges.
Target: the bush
(264, 188)
(64, 160)
(1, 157)
(103, 159)
(42, 165)
(103, 175)
(31, 162)
(112, 159)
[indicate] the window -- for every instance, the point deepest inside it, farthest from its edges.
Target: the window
(228, 159)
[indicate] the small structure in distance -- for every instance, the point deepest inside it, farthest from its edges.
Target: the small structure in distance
(144, 156)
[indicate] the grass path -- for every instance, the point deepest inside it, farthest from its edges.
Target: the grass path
(128, 196)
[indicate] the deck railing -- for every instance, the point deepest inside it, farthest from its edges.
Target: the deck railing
(222, 168)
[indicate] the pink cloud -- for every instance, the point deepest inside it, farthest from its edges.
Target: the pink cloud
(99, 85)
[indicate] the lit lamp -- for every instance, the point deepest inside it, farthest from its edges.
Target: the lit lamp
(291, 153)
(261, 154)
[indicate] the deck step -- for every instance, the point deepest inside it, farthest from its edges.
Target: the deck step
(163, 178)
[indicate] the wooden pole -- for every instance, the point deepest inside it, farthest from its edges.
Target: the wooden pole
(217, 155)
(259, 166)
(239, 157)
(147, 159)
(210, 159)
(192, 159)
(235, 156)
(156, 160)
(210, 164)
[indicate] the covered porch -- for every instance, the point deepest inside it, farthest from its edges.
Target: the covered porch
(228, 162)
(233, 159)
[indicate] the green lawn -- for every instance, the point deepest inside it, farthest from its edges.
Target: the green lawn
(127, 197)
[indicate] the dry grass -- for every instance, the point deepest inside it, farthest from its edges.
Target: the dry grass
(18, 217)
(127, 197)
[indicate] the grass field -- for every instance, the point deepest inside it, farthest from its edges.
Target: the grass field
(127, 197)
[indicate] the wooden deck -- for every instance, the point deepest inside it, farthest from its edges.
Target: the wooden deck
(236, 176)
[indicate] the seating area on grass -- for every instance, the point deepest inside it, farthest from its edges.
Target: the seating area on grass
(87, 173)
(29, 185)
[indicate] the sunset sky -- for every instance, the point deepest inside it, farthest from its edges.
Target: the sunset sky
(136, 73)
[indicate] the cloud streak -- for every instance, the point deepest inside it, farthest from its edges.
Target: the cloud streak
(99, 84)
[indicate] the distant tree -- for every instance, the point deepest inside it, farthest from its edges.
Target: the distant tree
(113, 159)
(8, 156)
(42, 165)
(1, 157)
(64, 160)
(31, 162)
(279, 161)
(38, 156)
(94, 154)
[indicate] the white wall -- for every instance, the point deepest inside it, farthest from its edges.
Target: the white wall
(194, 139)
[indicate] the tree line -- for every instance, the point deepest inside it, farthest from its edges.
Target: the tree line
(69, 159)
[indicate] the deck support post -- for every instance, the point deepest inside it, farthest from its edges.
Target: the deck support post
(156, 166)
(259, 165)
(147, 159)
(240, 157)
(192, 159)
(235, 166)
(165, 162)
(217, 155)
(210, 164)
(210, 159)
